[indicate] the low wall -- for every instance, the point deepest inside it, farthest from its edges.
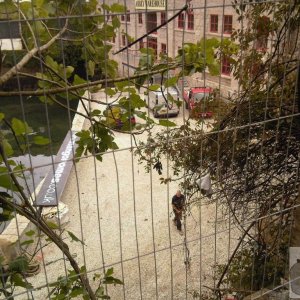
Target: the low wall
(19, 225)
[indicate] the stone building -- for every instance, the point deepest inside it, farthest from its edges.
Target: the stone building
(202, 19)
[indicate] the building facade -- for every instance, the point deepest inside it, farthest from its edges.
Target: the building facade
(202, 19)
(10, 36)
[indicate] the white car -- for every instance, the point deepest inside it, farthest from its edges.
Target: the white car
(161, 104)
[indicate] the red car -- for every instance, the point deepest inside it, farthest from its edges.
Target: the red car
(196, 99)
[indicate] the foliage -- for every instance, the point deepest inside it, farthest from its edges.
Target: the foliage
(251, 152)
(70, 286)
(260, 263)
(49, 29)
(60, 41)
(10, 58)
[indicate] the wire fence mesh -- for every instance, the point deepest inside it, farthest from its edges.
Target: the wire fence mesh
(232, 148)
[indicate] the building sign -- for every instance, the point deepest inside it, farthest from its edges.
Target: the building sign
(150, 4)
(56, 179)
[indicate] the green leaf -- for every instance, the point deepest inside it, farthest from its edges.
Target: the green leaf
(19, 169)
(51, 63)
(2, 116)
(143, 115)
(166, 123)
(19, 127)
(76, 291)
(170, 82)
(11, 162)
(95, 112)
(83, 134)
(46, 99)
(7, 183)
(40, 140)
(52, 225)
(116, 22)
(147, 51)
(214, 69)
(30, 233)
(69, 71)
(27, 242)
(7, 211)
(120, 85)
(95, 88)
(136, 101)
(112, 280)
(172, 100)
(100, 291)
(79, 80)
(106, 7)
(130, 90)
(111, 68)
(91, 68)
(96, 276)
(20, 264)
(154, 87)
(75, 238)
(90, 49)
(49, 8)
(110, 92)
(117, 8)
(7, 148)
(109, 272)
(17, 280)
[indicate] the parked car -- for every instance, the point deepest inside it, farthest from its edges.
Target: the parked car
(118, 117)
(196, 99)
(160, 104)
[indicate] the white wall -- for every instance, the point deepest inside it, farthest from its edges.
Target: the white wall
(11, 44)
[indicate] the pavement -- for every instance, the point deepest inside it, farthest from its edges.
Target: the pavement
(123, 216)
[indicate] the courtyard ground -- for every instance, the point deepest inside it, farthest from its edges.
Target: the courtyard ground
(123, 216)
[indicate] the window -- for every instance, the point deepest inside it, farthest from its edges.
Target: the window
(151, 21)
(141, 44)
(140, 18)
(163, 49)
(114, 39)
(214, 23)
(152, 43)
(128, 16)
(162, 17)
(225, 66)
(123, 40)
(9, 30)
(255, 70)
(262, 33)
(181, 21)
(227, 24)
(190, 20)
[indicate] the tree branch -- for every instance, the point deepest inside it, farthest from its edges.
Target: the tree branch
(14, 70)
(80, 86)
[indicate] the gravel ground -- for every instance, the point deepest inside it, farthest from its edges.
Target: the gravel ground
(123, 216)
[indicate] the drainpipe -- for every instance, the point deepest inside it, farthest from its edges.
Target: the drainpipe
(295, 237)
